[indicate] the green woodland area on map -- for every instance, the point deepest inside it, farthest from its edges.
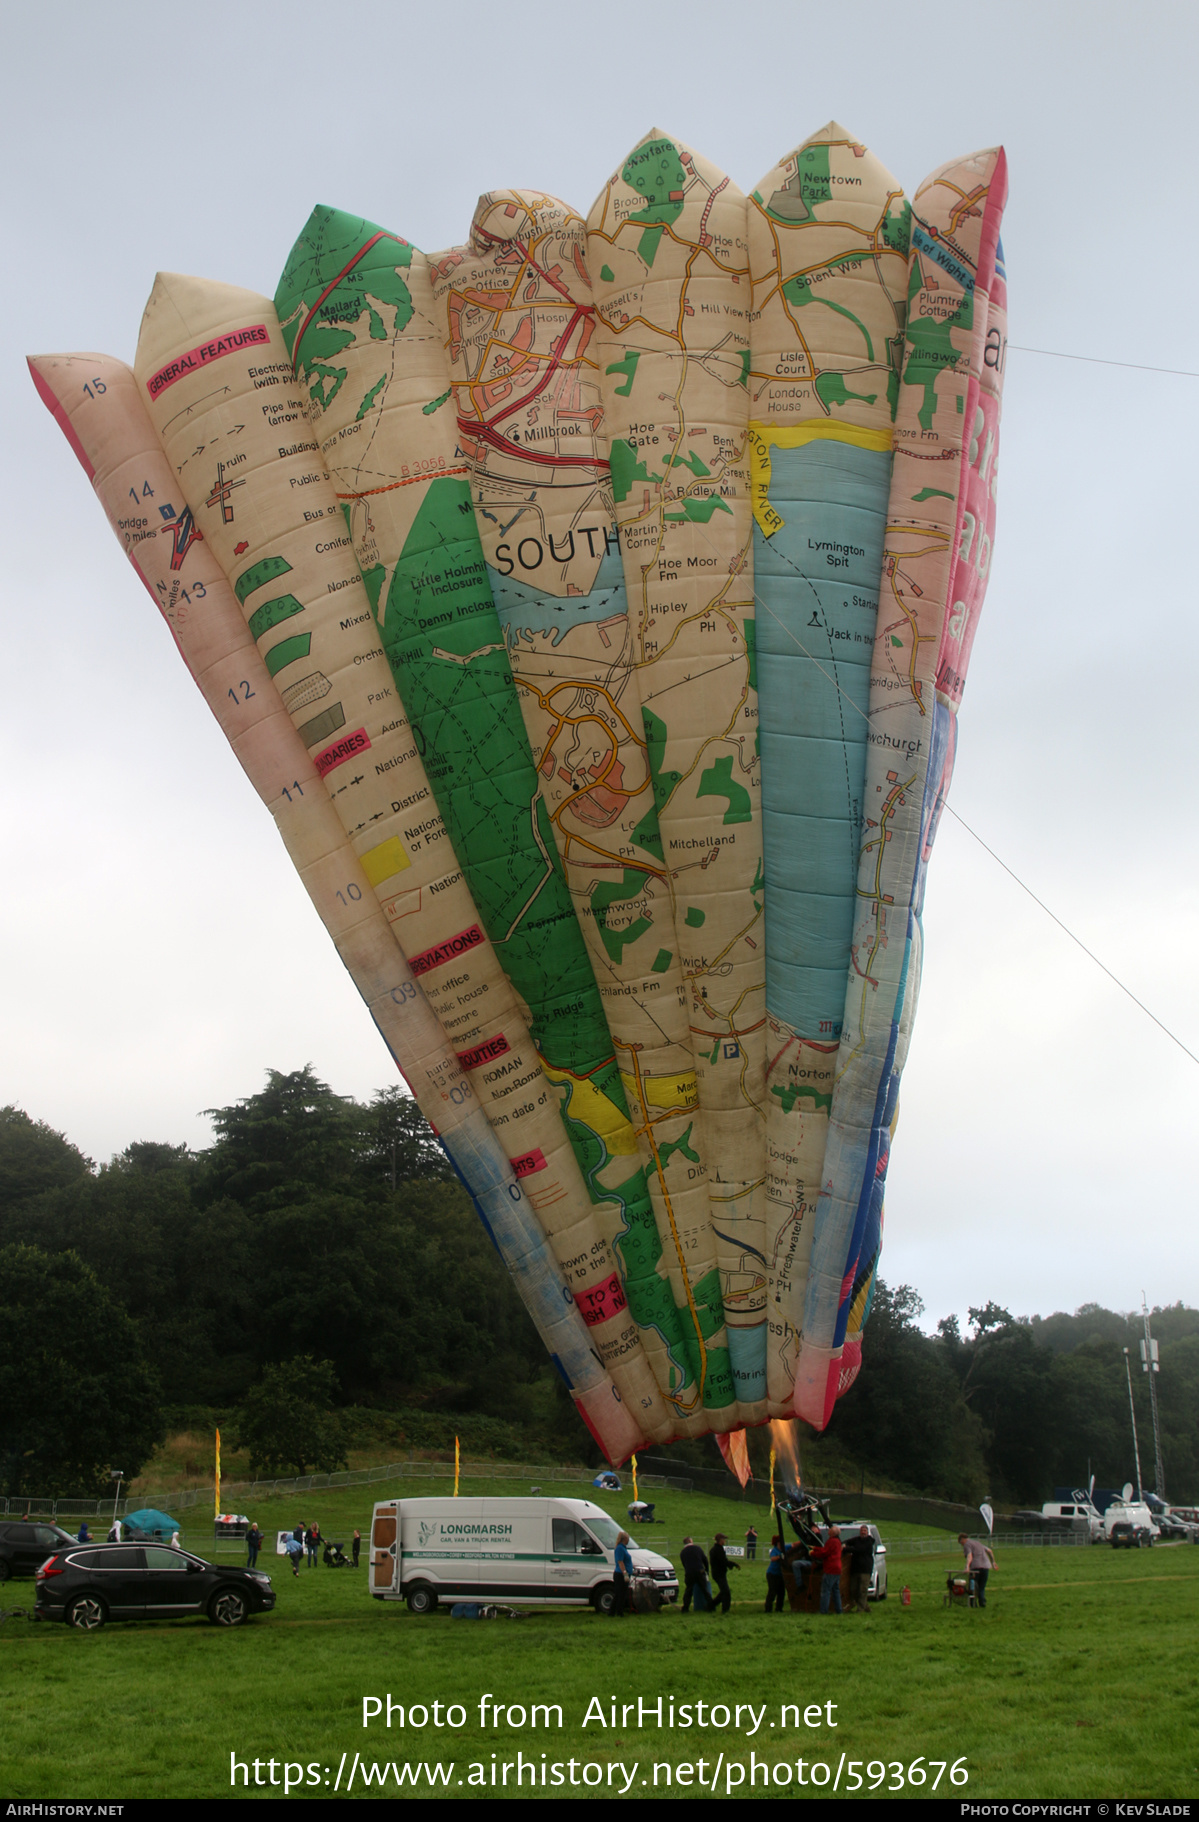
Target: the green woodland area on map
(930, 345)
(444, 643)
(335, 247)
(656, 172)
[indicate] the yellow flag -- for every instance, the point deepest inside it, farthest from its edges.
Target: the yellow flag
(634, 1466)
(218, 1474)
(455, 1467)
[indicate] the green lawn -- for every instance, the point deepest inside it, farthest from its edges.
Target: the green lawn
(1078, 1680)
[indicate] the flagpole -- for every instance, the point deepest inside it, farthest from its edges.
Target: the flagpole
(455, 1467)
(217, 1513)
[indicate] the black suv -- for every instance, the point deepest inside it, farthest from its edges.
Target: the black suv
(1129, 1536)
(25, 1547)
(86, 1584)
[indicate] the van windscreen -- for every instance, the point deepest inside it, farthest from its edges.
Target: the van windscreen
(605, 1529)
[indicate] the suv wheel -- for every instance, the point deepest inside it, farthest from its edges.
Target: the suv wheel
(5, 1569)
(228, 1607)
(87, 1613)
(422, 1599)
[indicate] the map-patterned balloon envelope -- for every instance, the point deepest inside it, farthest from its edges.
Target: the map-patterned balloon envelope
(590, 603)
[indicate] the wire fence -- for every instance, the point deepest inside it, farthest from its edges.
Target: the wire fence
(658, 1475)
(856, 1502)
(235, 1493)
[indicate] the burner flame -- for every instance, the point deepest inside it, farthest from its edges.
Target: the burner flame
(785, 1443)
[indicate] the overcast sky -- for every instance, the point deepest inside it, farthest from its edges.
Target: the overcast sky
(158, 951)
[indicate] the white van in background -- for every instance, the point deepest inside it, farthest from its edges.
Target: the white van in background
(1137, 1523)
(548, 1552)
(1081, 1510)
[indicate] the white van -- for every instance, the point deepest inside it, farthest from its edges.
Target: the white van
(533, 1551)
(1137, 1521)
(1080, 1511)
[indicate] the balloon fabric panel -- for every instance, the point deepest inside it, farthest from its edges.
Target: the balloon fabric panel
(828, 234)
(941, 505)
(666, 253)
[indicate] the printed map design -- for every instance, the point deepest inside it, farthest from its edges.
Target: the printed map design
(591, 603)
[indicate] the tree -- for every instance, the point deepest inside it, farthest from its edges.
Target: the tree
(904, 1416)
(33, 1158)
(76, 1391)
(274, 1146)
(402, 1147)
(291, 1423)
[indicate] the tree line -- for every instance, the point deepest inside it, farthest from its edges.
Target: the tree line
(319, 1262)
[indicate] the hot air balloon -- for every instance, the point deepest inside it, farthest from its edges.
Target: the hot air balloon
(590, 602)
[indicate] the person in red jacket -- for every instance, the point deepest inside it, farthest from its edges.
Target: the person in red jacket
(828, 1555)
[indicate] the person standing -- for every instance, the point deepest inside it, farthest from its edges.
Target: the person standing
(828, 1555)
(776, 1587)
(356, 1546)
(979, 1563)
(695, 1576)
(253, 1545)
(860, 1551)
(720, 1572)
(85, 1536)
(751, 1544)
(622, 1576)
(312, 1540)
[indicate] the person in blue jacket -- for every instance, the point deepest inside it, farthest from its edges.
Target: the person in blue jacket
(622, 1576)
(776, 1587)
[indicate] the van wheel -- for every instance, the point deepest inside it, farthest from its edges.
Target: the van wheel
(604, 1599)
(422, 1599)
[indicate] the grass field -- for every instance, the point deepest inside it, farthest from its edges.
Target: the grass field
(1078, 1680)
